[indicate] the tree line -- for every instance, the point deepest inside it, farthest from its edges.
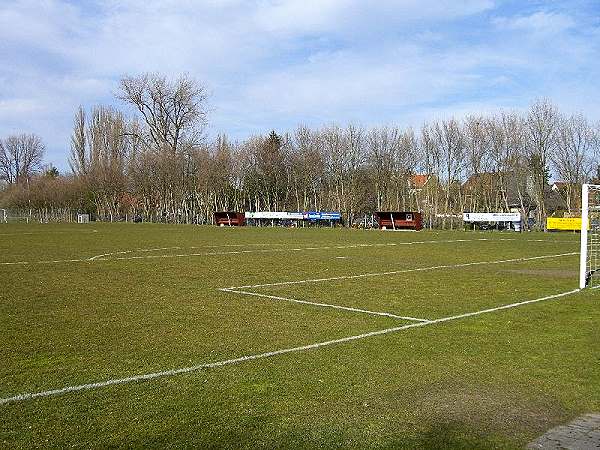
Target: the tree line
(158, 165)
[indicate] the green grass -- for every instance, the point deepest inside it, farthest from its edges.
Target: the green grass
(490, 381)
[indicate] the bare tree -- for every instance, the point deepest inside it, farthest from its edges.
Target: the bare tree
(573, 155)
(335, 154)
(477, 145)
(20, 157)
(78, 160)
(383, 147)
(515, 173)
(354, 141)
(173, 111)
(431, 164)
(450, 141)
(100, 151)
(307, 168)
(542, 122)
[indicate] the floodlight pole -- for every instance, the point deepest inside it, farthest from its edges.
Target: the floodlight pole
(584, 232)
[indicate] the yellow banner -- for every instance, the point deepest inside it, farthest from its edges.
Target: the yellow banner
(563, 223)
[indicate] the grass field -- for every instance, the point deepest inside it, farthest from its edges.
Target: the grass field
(352, 338)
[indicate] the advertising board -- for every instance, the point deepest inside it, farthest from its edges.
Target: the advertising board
(274, 215)
(492, 217)
(564, 223)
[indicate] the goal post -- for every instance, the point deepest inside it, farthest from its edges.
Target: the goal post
(590, 235)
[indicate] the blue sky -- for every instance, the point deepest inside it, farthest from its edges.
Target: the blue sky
(276, 64)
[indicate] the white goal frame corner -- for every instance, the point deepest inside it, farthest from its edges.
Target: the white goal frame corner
(585, 216)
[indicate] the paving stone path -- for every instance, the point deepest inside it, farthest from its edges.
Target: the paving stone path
(581, 434)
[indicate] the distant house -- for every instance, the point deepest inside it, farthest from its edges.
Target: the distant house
(493, 190)
(422, 189)
(418, 182)
(485, 180)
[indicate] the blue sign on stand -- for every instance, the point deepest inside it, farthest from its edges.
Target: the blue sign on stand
(317, 215)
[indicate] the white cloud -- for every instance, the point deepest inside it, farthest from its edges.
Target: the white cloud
(351, 18)
(541, 23)
(50, 24)
(19, 107)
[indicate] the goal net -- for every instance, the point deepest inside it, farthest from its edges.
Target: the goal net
(589, 276)
(9, 216)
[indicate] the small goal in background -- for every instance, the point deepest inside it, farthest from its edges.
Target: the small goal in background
(83, 218)
(590, 236)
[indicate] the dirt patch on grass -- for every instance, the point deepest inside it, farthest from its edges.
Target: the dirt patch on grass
(488, 410)
(550, 273)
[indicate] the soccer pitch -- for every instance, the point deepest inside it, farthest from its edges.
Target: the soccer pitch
(162, 335)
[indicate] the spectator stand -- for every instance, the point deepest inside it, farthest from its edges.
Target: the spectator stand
(399, 220)
(229, 219)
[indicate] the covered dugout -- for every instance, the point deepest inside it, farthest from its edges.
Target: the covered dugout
(399, 220)
(229, 219)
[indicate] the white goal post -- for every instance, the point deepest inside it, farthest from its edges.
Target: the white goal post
(590, 235)
(3, 216)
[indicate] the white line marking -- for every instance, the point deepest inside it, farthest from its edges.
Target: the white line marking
(140, 250)
(172, 372)
(395, 272)
(103, 256)
(238, 252)
(325, 305)
(295, 249)
(48, 232)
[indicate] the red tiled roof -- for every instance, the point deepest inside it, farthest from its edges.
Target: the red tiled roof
(418, 181)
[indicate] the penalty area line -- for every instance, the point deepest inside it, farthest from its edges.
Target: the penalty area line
(183, 370)
(401, 271)
(323, 305)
